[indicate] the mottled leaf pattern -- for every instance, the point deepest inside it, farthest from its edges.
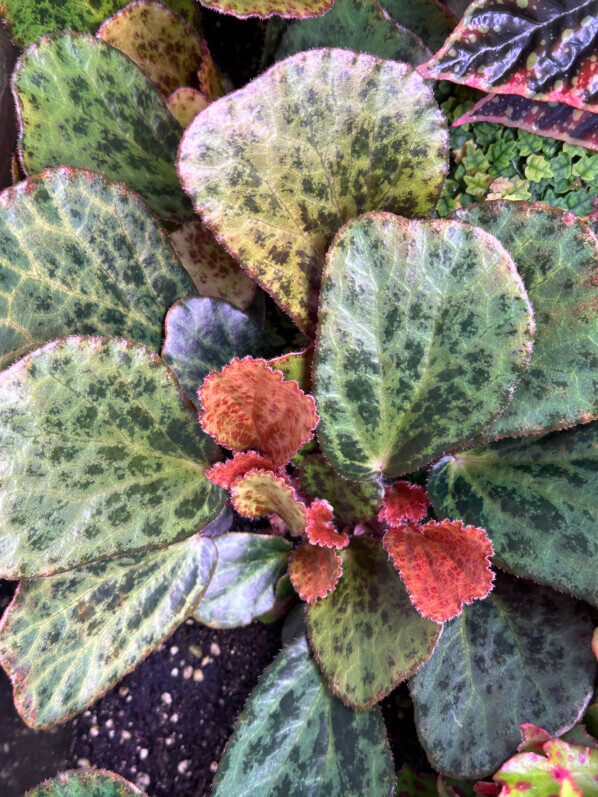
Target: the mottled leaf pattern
(444, 334)
(411, 784)
(80, 254)
(314, 571)
(403, 503)
(489, 673)
(538, 501)
(277, 167)
(184, 104)
(83, 103)
(85, 783)
(429, 19)
(212, 82)
(243, 585)
(268, 8)
(366, 635)
(65, 640)
(320, 528)
(295, 738)
(100, 455)
(225, 473)
(8, 140)
(261, 492)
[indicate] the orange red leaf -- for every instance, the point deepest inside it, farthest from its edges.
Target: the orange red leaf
(320, 529)
(314, 571)
(225, 473)
(404, 502)
(262, 492)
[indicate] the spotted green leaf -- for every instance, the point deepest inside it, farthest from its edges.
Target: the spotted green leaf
(268, 8)
(360, 25)
(557, 257)
(244, 583)
(366, 635)
(537, 499)
(80, 254)
(295, 738)
(277, 167)
(429, 19)
(85, 783)
(517, 656)
(425, 328)
(101, 454)
(203, 335)
(83, 103)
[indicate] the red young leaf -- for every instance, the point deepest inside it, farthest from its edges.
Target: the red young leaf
(320, 528)
(248, 405)
(262, 492)
(443, 565)
(314, 571)
(225, 473)
(404, 502)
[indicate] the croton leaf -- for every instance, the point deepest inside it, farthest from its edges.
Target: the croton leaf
(404, 503)
(65, 640)
(83, 103)
(295, 365)
(225, 473)
(278, 166)
(400, 388)
(100, 453)
(544, 51)
(158, 40)
(248, 405)
(243, 585)
(537, 499)
(557, 257)
(293, 9)
(314, 571)
(360, 25)
(184, 104)
(552, 119)
(261, 492)
(494, 656)
(79, 253)
(443, 565)
(202, 335)
(320, 528)
(366, 635)
(8, 140)
(293, 732)
(429, 19)
(85, 783)
(353, 501)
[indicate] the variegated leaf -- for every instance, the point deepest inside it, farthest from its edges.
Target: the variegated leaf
(268, 8)
(85, 783)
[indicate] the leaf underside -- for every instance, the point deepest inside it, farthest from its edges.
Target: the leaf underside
(314, 571)
(293, 9)
(260, 492)
(224, 474)
(184, 104)
(85, 783)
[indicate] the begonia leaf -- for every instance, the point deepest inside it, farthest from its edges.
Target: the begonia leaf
(537, 499)
(294, 734)
(314, 571)
(277, 167)
(85, 783)
(212, 269)
(557, 257)
(353, 501)
(158, 40)
(398, 389)
(360, 25)
(291, 9)
(202, 335)
(8, 121)
(83, 103)
(101, 455)
(80, 254)
(320, 528)
(184, 104)
(552, 119)
(295, 365)
(489, 673)
(244, 582)
(248, 405)
(261, 492)
(212, 82)
(429, 19)
(225, 473)
(411, 784)
(595, 642)
(404, 502)
(366, 635)
(67, 639)
(443, 565)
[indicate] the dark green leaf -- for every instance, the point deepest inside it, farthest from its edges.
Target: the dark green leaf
(426, 18)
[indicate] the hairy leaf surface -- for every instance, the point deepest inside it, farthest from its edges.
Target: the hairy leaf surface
(444, 334)
(184, 104)
(320, 528)
(86, 783)
(404, 503)
(100, 454)
(83, 103)
(8, 140)
(537, 499)
(430, 20)
(277, 167)
(226, 473)
(489, 673)
(261, 492)
(65, 640)
(366, 635)
(314, 571)
(295, 9)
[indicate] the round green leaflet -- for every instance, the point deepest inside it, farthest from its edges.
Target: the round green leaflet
(277, 167)
(101, 454)
(521, 655)
(295, 738)
(425, 329)
(85, 783)
(83, 103)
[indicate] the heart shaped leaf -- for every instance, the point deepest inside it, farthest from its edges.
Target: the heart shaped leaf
(294, 9)
(429, 19)
(244, 582)
(538, 501)
(277, 167)
(293, 731)
(184, 104)
(404, 503)
(320, 529)
(224, 474)
(67, 639)
(427, 367)
(83, 103)
(366, 635)
(260, 492)
(86, 783)
(495, 656)
(100, 453)
(314, 571)
(79, 253)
